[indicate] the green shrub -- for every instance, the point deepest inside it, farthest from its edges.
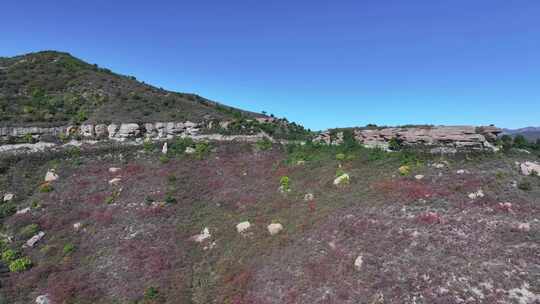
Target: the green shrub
(340, 157)
(151, 293)
(284, 183)
(9, 255)
(339, 172)
(7, 209)
(169, 199)
(525, 185)
(29, 230)
(179, 145)
(68, 248)
(148, 146)
(163, 159)
(395, 144)
(263, 144)
(20, 265)
(201, 150)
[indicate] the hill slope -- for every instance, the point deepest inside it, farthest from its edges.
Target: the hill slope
(54, 88)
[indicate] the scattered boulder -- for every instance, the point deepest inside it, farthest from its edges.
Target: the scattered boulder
(23, 211)
(33, 240)
(419, 176)
(275, 228)
(114, 169)
(115, 181)
(524, 227)
(164, 149)
(461, 171)
(438, 165)
(43, 299)
(477, 194)
(190, 150)
(342, 179)
(51, 175)
(530, 168)
(8, 197)
(358, 262)
(309, 197)
(243, 227)
(77, 226)
(204, 235)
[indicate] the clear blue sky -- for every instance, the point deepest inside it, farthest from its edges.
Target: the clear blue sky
(321, 63)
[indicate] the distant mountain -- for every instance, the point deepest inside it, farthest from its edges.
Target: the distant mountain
(53, 88)
(530, 133)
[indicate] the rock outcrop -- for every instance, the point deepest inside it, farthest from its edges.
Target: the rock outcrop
(452, 138)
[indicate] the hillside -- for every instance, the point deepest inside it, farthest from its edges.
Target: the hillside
(51, 88)
(264, 223)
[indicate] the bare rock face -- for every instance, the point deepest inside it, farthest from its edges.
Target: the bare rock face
(101, 131)
(87, 130)
(443, 138)
(529, 168)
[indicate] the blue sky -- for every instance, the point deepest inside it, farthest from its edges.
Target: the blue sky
(321, 63)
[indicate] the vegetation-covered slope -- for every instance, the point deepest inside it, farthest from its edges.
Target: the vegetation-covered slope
(130, 224)
(53, 88)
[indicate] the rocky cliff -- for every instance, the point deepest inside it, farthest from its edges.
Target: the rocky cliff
(438, 138)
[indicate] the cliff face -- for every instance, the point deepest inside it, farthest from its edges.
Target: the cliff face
(449, 138)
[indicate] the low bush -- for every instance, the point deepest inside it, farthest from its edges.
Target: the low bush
(202, 149)
(284, 183)
(525, 185)
(68, 248)
(263, 144)
(9, 255)
(29, 231)
(20, 265)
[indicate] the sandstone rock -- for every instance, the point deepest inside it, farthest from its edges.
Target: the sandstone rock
(275, 228)
(112, 129)
(8, 197)
(243, 227)
(128, 130)
(43, 299)
(342, 179)
(204, 235)
(51, 175)
(419, 176)
(164, 148)
(114, 169)
(87, 130)
(358, 262)
(33, 240)
(527, 168)
(460, 171)
(77, 226)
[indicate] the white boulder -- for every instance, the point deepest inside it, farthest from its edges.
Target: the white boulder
(51, 175)
(309, 197)
(527, 168)
(342, 179)
(115, 181)
(114, 169)
(23, 211)
(8, 197)
(33, 240)
(419, 176)
(205, 234)
(477, 194)
(164, 149)
(358, 262)
(190, 150)
(43, 299)
(275, 228)
(243, 227)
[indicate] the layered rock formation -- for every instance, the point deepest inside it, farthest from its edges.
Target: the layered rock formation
(439, 138)
(112, 131)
